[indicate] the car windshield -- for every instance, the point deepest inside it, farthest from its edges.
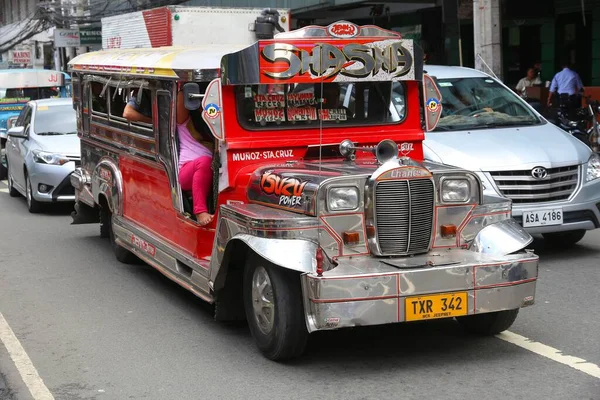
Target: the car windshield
(55, 120)
(480, 103)
(294, 106)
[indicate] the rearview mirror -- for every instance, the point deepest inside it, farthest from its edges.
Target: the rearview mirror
(191, 95)
(17, 132)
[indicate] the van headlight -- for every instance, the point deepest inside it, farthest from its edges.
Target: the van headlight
(342, 198)
(456, 190)
(44, 157)
(593, 168)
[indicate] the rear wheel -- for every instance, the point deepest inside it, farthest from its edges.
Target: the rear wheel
(33, 205)
(121, 253)
(274, 310)
(489, 323)
(564, 239)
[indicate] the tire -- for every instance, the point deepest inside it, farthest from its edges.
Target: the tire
(33, 205)
(3, 169)
(12, 192)
(563, 239)
(283, 336)
(105, 227)
(121, 253)
(489, 323)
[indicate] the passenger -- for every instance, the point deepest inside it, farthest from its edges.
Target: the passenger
(139, 112)
(195, 157)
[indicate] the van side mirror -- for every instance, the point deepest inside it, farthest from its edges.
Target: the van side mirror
(17, 132)
(191, 96)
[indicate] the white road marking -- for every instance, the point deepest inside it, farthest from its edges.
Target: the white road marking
(4, 190)
(29, 374)
(550, 352)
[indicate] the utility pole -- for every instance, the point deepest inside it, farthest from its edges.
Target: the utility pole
(80, 14)
(488, 36)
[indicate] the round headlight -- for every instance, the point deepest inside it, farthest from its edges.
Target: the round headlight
(342, 198)
(455, 190)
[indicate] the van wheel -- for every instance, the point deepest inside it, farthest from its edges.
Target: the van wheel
(33, 205)
(274, 310)
(121, 253)
(563, 239)
(489, 323)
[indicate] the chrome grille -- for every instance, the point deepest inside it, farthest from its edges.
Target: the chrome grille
(521, 187)
(404, 216)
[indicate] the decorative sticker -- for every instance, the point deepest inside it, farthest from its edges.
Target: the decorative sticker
(301, 99)
(404, 173)
(333, 115)
(143, 245)
(269, 101)
(269, 114)
(433, 104)
(343, 30)
(212, 110)
(289, 190)
(302, 114)
(406, 148)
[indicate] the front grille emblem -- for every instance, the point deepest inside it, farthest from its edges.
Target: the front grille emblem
(539, 173)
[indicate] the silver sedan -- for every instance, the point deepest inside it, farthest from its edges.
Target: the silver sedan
(42, 150)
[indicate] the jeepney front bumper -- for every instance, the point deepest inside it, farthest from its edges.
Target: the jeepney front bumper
(373, 291)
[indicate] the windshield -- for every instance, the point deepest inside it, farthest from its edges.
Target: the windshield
(55, 120)
(480, 103)
(23, 95)
(296, 106)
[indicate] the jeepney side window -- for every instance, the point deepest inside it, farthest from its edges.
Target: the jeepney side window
(144, 106)
(99, 106)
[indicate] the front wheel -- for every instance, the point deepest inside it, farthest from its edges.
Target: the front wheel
(563, 239)
(489, 323)
(274, 310)
(33, 205)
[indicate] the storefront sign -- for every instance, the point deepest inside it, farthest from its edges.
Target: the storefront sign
(66, 38)
(90, 36)
(19, 56)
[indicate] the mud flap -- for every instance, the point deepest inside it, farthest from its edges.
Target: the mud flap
(84, 214)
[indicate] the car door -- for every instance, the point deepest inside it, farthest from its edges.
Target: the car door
(17, 149)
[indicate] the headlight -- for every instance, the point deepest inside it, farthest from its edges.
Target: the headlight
(49, 158)
(342, 198)
(455, 190)
(593, 168)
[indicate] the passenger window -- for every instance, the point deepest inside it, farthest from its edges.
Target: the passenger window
(98, 99)
(138, 111)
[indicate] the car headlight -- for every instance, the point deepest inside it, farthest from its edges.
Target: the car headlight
(456, 190)
(342, 198)
(44, 157)
(593, 168)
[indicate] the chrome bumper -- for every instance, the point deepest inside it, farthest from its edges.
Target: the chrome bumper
(372, 291)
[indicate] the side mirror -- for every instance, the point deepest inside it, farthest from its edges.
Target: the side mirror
(11, 122)
(17, 132)
(191, 95)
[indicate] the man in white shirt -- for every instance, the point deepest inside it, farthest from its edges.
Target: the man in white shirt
(530, 80)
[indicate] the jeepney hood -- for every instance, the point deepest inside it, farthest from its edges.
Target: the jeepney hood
(294, 186)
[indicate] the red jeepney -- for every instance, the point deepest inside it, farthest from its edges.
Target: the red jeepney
(326, 216)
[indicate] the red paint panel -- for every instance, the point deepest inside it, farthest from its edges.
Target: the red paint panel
(158, 24)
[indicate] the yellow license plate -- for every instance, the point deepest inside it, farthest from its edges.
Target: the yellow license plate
(434, 306)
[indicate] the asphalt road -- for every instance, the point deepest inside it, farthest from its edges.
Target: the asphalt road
(97, 329)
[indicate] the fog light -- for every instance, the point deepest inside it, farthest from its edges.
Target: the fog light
(42, 188)
(448, 231)
(351, 237)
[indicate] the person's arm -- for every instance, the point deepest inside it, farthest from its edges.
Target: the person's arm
(132, 114)
(553, 86)
(182, 113)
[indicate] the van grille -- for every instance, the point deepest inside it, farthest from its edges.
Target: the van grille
(404, 216)
(521, 187)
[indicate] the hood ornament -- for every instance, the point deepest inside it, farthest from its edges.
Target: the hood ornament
(384, 151)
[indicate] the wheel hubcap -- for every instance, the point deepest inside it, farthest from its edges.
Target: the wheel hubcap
(262, 300)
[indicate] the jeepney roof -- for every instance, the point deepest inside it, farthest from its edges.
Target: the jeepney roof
(172, 61)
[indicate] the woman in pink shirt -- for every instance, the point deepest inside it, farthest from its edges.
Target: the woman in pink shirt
(195, 157)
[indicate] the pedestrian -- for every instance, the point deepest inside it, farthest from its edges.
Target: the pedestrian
(567, 86)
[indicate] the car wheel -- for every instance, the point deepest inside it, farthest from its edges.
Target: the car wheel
(12, 192)
(563, 239)
(488, 323)
(274, 310)
(3, 169)
(33, 205)
(121, 253)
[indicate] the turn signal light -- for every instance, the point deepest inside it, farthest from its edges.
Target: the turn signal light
(448, 231)
(370, 231)
(350, 237)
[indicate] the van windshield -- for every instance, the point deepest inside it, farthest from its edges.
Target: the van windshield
(295, 106)
(480, 103)
(23, 95)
